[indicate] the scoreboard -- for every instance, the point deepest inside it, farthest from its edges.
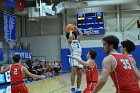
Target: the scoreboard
(91, 23)
(7, 76)
(2, 79)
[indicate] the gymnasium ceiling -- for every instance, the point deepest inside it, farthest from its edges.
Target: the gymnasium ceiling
(55, 2)
(32, 3)
(88, 3)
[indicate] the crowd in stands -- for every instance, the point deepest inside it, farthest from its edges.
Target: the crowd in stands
(43, 67)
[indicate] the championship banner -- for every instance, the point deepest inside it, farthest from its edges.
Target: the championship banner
(20, 5)
(9, 26)
(24, 54)
(1, 52)
(10, 3)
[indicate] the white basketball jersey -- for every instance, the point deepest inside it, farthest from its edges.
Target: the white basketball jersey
(75, 47)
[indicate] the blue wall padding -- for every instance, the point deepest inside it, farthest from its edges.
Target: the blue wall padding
(99, 58)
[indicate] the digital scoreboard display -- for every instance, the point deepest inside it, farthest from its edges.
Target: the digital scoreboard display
(91, 23)
(2, 78)
(7, 76)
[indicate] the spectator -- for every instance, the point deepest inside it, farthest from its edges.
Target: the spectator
(29, 66)
(59, 65)
(55, 68)
(39, 68)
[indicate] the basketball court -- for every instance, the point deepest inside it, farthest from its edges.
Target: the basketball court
(40, 31)
(59, 84)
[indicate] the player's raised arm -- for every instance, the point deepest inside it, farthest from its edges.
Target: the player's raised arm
(80, 33)
(70, 37)
(4, 70)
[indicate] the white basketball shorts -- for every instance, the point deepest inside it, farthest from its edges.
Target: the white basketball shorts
(73, 62)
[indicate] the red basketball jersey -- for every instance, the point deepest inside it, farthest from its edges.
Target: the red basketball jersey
(134, 63)
(123, 76)
(92, 74)
(130, 56)
(16, 73)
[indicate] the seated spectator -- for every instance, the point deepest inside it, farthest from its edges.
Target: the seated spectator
(47, 69)
(43, 65)
(29, 66)
(55, 67)
(46, 66)
(39, 68)
(59, 65)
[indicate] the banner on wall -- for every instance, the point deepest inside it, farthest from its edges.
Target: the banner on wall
(1, 52)
(9, 26)
(10, 3)
(20, 5)
(24, 54)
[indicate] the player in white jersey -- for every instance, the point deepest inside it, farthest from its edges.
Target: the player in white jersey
(76, 50)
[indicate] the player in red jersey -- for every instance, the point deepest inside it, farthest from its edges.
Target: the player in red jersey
(119, 67)
(16, 73)
(91, 70)
(127, 47)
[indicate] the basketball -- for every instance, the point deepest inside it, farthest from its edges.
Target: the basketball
(70, 27)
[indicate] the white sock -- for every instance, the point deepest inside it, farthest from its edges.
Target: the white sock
(72, 86)
(78, 89)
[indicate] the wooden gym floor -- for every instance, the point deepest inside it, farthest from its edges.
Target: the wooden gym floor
(59, 84)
